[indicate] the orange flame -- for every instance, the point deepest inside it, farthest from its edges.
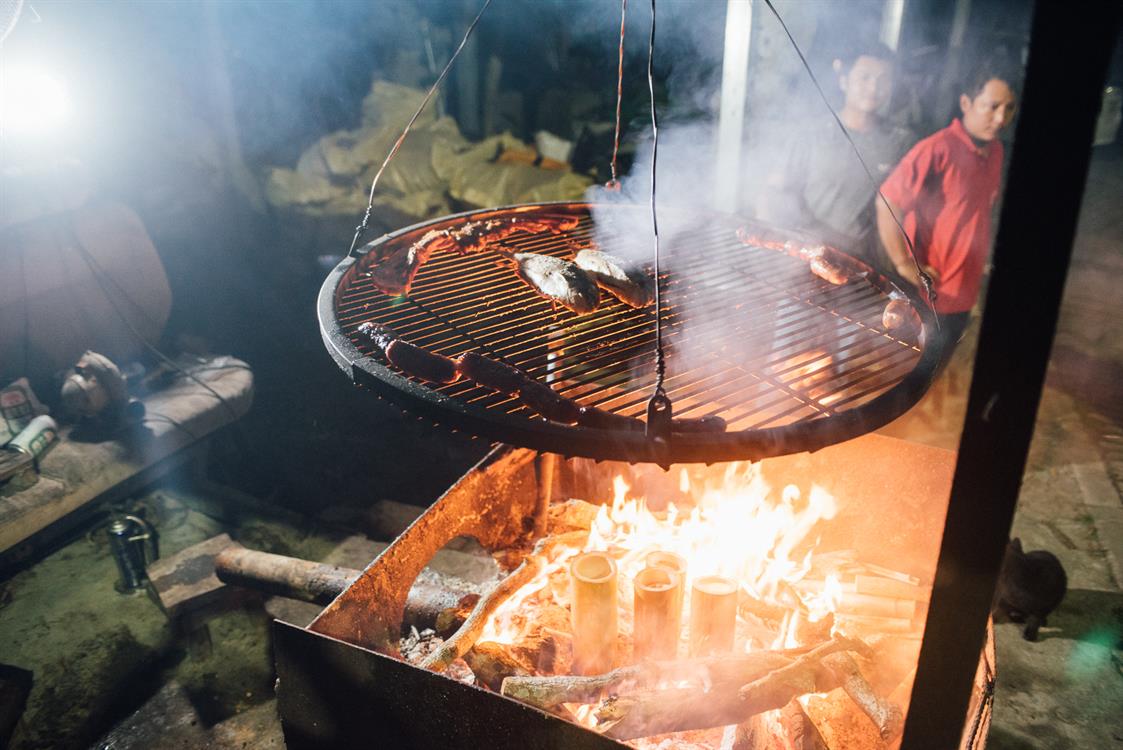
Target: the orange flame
(736, 528)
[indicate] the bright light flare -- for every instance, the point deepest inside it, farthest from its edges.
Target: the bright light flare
(32, 101)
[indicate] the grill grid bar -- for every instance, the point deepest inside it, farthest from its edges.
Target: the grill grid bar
(752, 335)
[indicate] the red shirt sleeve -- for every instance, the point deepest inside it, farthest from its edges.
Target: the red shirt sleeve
(904, 184)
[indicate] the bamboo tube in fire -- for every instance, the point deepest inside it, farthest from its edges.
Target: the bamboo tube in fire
(593, 575)
(713, 615)
(658, 612)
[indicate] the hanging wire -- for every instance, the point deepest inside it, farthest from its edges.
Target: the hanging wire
(362, 228)
(614, 183)
(925, 279)
(659, 405)
(660, 357)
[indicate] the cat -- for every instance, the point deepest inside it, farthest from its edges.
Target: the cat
(1030, 586)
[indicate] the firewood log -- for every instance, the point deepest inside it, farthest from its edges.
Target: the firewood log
(802, 732)
(648, 712)
(493, 662)
(886, 716)
(458, 645)
(724, 672)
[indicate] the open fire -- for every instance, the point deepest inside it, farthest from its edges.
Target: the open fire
(776, 640)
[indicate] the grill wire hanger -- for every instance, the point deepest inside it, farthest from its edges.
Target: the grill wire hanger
(362, 228)
(659, 410)
(925, 279)
(614, 183)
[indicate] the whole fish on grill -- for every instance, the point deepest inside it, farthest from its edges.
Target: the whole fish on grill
(392, 270)
(558, 280)
(627, 282)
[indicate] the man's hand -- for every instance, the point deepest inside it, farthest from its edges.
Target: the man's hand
(909, 273)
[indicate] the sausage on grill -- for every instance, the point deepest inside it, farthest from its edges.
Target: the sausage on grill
(492, 374)
(896, 313)
(422, 364)
(377, 334)
(829, 271)
(553, 406)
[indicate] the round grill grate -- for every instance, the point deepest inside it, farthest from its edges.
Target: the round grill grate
(788, 360)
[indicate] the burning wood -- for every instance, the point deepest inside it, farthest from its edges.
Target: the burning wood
(492, 663)
(463, 639)
(535, 626)
(655, 711)
(548, 692)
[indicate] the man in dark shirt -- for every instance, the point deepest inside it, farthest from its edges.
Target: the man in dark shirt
(820, 185)
(944, 190)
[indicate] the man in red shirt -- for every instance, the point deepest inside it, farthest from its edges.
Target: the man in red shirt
(945, 189)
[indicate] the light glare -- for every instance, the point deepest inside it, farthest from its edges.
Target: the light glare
(32, 101)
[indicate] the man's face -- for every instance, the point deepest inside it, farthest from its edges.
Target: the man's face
(989, 112)
(867, 84)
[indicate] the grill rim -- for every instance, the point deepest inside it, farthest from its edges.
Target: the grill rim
(551, 437)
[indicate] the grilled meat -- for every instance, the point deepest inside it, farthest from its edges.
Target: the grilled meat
(492, 374)
(625, 281)
(377, 334)
(411, 359)
(415, 361)
(896, 312)
(829, 271)
(558, 280)
(551, 405)
(392, 271)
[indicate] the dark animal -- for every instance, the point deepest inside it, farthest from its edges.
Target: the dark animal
(1030, 586)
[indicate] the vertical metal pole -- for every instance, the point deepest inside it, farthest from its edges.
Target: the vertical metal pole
(731, 114)
(891, 16)
(1068, 55)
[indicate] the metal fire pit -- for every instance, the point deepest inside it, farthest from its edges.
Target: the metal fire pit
(339, 685)
(791, 362)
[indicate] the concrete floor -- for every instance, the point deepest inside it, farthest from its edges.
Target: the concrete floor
(95, 653)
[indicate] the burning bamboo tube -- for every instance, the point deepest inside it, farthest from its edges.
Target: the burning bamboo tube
(713, 615)
(658, 612)
(594, 612)
(677, 563)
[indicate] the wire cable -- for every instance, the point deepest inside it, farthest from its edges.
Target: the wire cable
(925, 279)
(362, 228)
(660, 357)
(659, 410)
(614, 183)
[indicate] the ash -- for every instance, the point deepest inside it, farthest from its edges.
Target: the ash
(416, 646)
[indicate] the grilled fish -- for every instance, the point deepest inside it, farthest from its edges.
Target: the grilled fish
(625, 281)
(558, 280)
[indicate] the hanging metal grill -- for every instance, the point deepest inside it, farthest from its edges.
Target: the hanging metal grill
(789, 361)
